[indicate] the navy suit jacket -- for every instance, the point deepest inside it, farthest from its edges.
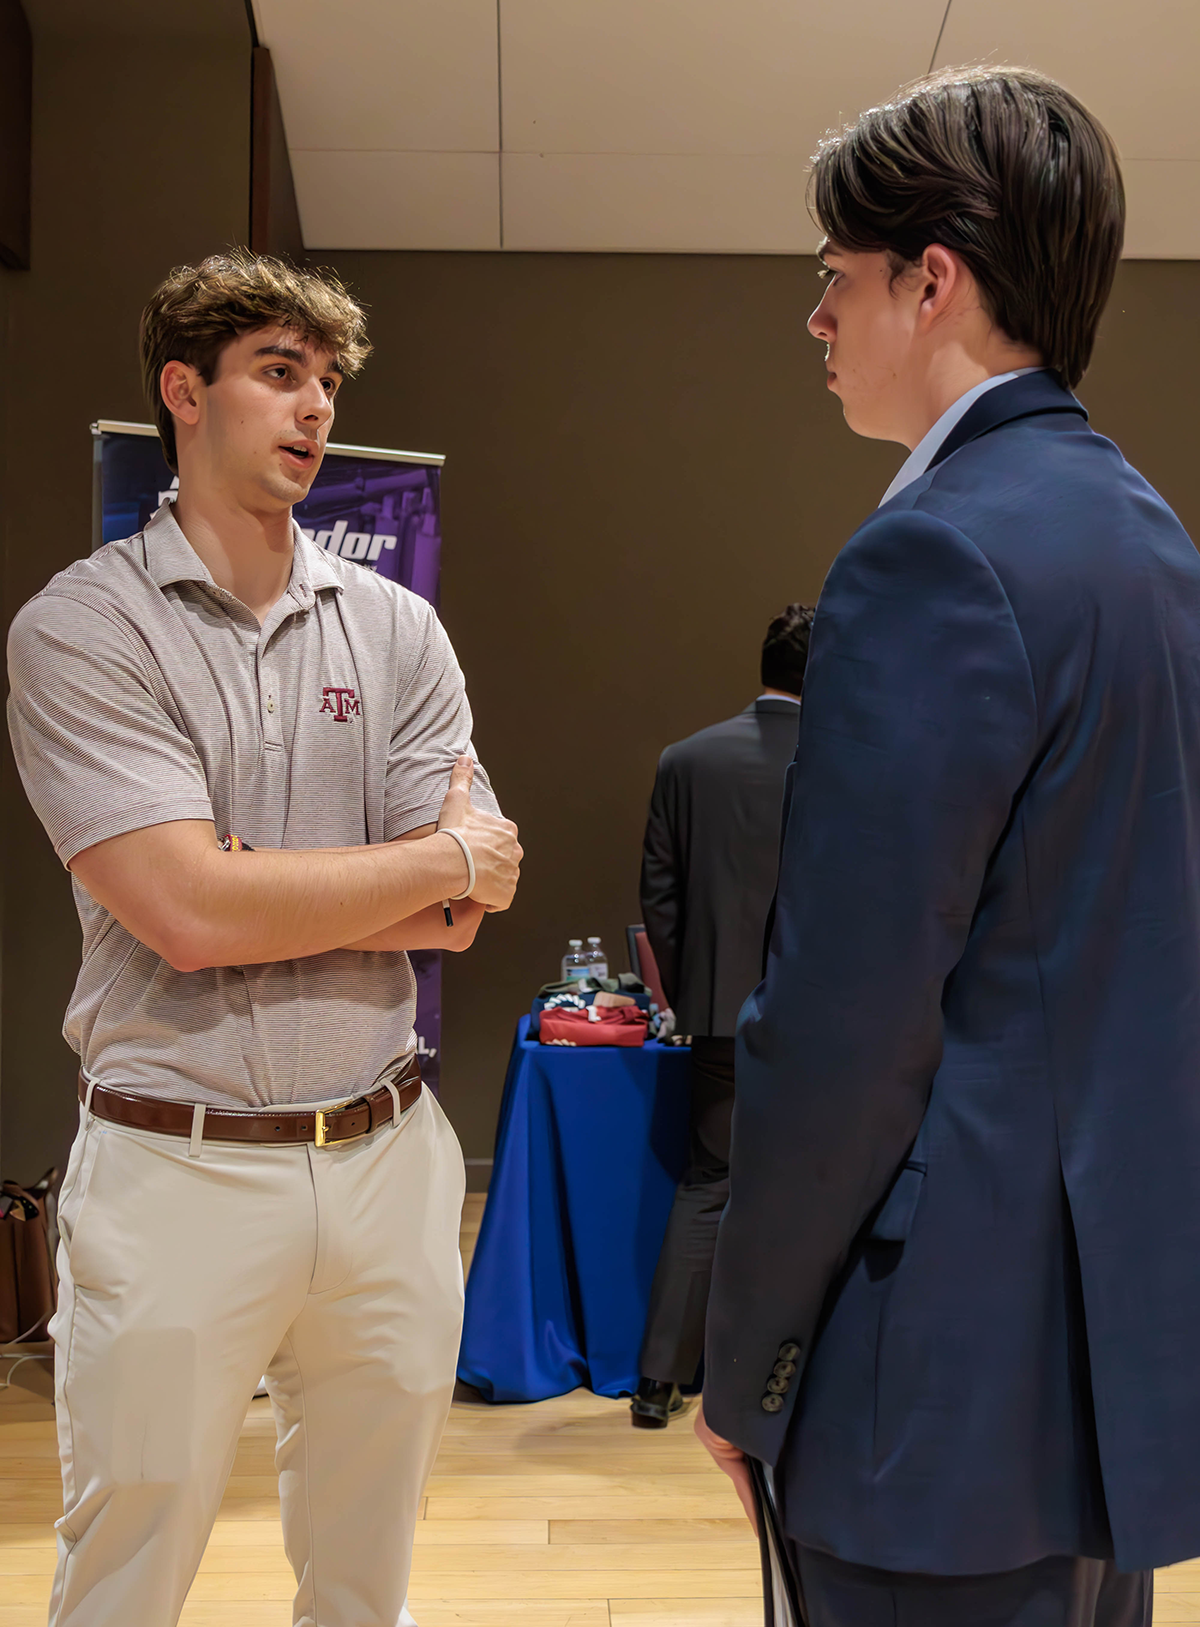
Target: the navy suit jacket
(966, 1145)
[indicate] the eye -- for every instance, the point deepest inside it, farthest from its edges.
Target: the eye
(828, 275)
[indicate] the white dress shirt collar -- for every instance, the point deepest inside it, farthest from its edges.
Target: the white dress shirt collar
(923, 453)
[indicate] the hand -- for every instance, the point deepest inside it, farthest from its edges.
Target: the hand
(493, 842)
(731, 1460)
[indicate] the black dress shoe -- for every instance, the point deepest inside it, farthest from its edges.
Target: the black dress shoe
(654, 1404)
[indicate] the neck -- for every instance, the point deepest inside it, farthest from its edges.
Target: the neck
(247, 554)
(947, 376)
(782, 694)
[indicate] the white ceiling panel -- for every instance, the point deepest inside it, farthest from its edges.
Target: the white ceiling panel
(394, 200)
(701, 76)
(417, 75)
(1135, 66)
(677, 126)
(1163, 201)
(669, 203)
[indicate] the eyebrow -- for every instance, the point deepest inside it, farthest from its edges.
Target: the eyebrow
(825, 248)
(290, 354)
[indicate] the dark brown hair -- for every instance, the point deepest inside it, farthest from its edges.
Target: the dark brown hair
(1010, 171)
(197, 310)
(785, 649)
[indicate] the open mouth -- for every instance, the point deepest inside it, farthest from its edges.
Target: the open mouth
(299, 455)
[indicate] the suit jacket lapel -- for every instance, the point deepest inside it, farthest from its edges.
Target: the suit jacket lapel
(1026, 397)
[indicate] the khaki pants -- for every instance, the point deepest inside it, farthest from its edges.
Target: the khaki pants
(334, 1270)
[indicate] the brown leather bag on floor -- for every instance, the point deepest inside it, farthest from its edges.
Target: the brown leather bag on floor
(28, 1280)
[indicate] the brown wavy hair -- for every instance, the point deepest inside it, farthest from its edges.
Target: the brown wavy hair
(197, 310)
(1006, 168)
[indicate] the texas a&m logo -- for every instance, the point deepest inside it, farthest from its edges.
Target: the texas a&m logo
(342, 703)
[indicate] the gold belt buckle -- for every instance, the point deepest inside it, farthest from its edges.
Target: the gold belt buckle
(321, 1139)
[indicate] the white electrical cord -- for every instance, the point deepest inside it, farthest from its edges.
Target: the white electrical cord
(19, 1361)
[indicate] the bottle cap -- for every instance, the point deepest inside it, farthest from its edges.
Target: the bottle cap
(575, 943)
(593, 940)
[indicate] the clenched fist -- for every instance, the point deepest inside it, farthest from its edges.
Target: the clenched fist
(493, 842)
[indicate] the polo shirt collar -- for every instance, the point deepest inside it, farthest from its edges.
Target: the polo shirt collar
(170, 558)
(312, 565)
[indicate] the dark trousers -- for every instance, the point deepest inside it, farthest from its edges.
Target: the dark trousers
(674, 1339)
(1053, 1592)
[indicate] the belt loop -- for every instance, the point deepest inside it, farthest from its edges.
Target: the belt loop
(395, 1095)
(87, 1100)
(197, 1140)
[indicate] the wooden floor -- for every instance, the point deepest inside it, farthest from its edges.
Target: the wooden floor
(552, 1515)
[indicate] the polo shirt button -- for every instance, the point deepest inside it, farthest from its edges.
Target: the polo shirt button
(270, 706)
(772, 1403)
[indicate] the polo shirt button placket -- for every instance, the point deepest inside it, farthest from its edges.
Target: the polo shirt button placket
(268, 689)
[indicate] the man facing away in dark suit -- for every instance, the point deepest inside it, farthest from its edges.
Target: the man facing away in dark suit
(955, 1305)
(709, 868)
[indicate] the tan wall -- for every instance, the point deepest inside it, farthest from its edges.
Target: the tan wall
(638, 453)
(141, 160)
(643, 465)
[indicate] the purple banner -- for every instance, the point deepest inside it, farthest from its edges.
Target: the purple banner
(380, 509)
(382, 515)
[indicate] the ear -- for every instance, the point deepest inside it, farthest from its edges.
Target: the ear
(941, 278)
(180, 386)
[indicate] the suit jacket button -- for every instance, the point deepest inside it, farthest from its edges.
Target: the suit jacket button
(777, 1386)
(789, 1350)
(772, 1403)
(784, 1369)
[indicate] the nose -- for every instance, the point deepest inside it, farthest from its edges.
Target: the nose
(315, 406)
(820, 323)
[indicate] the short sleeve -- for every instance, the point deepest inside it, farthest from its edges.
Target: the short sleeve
(97, 752)
(431, 727)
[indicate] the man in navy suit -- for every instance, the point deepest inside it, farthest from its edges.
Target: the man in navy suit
(956, 1299)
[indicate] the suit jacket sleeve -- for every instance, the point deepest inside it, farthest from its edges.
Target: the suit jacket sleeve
(917, 732)
(662, 879)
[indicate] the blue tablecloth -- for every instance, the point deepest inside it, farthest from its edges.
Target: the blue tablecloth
(591, 1145)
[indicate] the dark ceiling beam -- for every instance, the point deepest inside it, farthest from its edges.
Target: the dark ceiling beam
(274, 217)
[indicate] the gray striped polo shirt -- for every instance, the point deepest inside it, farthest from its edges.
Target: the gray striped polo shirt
(141, 693)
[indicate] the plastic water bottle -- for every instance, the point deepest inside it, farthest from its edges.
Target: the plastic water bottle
(575, 962)
(597, 960)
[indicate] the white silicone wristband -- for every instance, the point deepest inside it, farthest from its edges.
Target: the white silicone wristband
(462, 842)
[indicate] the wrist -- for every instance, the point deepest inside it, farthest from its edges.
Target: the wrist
(463, 865)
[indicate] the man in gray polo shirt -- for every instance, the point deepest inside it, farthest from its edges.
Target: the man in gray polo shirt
(259, 1182)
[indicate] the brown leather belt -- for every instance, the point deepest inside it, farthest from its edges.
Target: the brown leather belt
(323, 1126)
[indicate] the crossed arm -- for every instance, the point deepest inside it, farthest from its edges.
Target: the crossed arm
(427, 929)
(172, 887)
